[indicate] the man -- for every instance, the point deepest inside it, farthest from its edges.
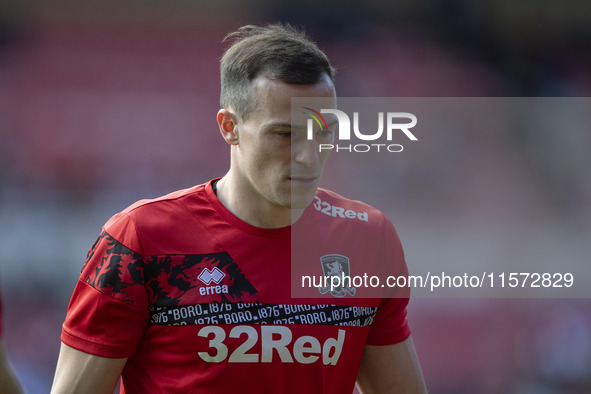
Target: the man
(189, 292)
(9, 384)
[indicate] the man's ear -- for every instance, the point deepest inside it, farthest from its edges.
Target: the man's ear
(227, 122)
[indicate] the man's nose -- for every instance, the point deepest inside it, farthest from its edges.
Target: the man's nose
(306, 152)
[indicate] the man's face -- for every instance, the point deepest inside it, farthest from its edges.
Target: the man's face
(276, 162)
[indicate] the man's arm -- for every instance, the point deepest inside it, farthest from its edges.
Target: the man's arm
(8, 382)
(391, 369)
(79, 372)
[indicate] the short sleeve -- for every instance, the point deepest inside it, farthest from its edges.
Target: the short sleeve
(109, 311)
(390, 324)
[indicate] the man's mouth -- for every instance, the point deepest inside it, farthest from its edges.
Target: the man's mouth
(305, 180)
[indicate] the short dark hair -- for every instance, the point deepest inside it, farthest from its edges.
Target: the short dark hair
(279, 51)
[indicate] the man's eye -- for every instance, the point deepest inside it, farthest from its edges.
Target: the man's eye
(285, 134)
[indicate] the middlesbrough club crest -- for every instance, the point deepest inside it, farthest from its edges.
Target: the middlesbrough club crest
(336, 266)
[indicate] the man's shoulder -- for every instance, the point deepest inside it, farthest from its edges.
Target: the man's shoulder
(335, 205)
(331, 195)
(164, 209)
(172, 199)
(165, 224)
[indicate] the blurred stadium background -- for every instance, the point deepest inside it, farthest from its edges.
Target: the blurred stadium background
(104, 103)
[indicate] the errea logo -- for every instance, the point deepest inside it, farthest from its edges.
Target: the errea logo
(207, 276)
(330, 210)
(215, 275)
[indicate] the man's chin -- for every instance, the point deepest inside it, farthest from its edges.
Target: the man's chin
(302, 200)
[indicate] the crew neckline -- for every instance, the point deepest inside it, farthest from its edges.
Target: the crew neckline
(239, 223)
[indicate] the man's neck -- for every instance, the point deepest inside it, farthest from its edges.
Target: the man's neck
(254, 211)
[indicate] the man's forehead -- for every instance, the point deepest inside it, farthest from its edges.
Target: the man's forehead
(274, 99)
